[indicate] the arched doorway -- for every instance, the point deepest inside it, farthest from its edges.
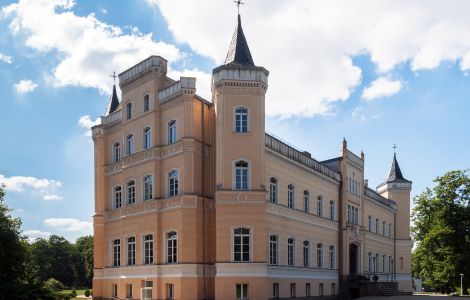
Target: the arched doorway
(353, 258)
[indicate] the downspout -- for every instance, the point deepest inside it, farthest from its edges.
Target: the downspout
(203, 202)
(394, 245)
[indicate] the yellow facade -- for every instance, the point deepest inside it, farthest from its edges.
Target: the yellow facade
(193, 200)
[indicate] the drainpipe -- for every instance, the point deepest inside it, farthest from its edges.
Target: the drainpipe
(203, 202)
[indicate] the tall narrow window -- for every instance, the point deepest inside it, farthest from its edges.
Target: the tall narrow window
(241, 244)
(116, 152)
(131, 251)
(117, 197)
(172, 247)
(241, 291)
(383, 263)
(333, 289)
(146, 102)
(377, 226)
(148, 187)
(129, 110)
(349, 213)
(131, 192)
(321, 291)
(114, 288)
(273, 249)
(370, 262)
(332, 257)
(319, 255)
(273, 190)
(170, 291)
(275, 290)
(291, 252)
(293, 289)
(377, 262)
(129, 291)
(147, 142)
(332, 210)
(291, 196)
(307, 290)
(390, 264)
(116, 253)
(148, 249)
(241, 175)
(320, 206)
(370, 223)
(241, 119)
(306, 201)
(172, 132)
(306, 252)
(383, 228)
(389, 230)
(173, 182)
(130, 144)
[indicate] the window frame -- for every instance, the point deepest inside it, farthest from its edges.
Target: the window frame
(242, 244)
(332, 257)
(239, 128)
(128, 194)
(332, 210)
(116, 152)
(129, 111)
(148, 254)
(320, 255)
(147, 138)
(116, 252)
(131, 247)
(291, 252)
(320, 206)
(234, 174)
(273, 250)
(173, 183)
(291, 196)
(146, 102)
(306, 201)
(115, 198)
(130, 144)
(306, 253)
(171, 258)
(172, 132)
(273, 190)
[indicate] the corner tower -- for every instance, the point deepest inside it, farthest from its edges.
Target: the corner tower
(398, 189)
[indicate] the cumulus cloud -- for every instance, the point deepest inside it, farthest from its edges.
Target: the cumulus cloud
(6, 59)
(86, 122)
(381, 87)
(361, 113)
(88, 48)
(25, 86)
(69, 224)
(308, 45)
(46, 188)
(34, 234)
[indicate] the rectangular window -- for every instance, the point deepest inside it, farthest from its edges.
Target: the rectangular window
(306, 254)
(114, 290)
(129, 290)
(275, 290)
(148, 249)
(241, 244)
(241, 178)
(319, 256)
(242, 291)
(333, 289)
(290, 252)
(273, 252)
(290, 196)
(401, 263)
(293, 291)
(241, 119)
(307, 290)
(170, 291)
(116, 253)
(147, 290)
(131, 251)
(321, 292)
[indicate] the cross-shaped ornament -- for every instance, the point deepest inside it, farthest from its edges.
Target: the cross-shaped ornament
(238, 2)
(114, 77)
(395, 148)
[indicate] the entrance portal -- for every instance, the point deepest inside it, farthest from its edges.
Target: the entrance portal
(353, 258)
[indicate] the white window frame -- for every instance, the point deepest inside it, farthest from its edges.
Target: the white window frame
(332, 260)
(291, 196)
(128, 194)
(291, 252)
(147, 196)
(129, 111)
(306, 254)
(250, 246)
(144, 100)
(320, 255)
(173, 185)
(147, 138)
(320, 206)
(234, 179)
(130, 144)
(116, 248)
(306, 204)
(172, 131)
(115, 197)
(174, 238)
(243, 291)
(242, 114)
(150, 253)
(116, 151)
(243, 169)
(131, 253)
(273, 248)
(273, 190)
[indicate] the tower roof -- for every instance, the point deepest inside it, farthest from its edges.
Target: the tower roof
(113, 102)
(395, 175)
(239, 52)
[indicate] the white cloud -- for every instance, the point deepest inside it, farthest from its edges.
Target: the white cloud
(89, 50)
(307, 45)
(69, 224)
(34, 234)
(363, 114)
(25, 86)
(46, 188)
(381, 87)
(6, 59)
(86, 122)
(203, 80)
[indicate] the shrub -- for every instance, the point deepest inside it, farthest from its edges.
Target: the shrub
(87, 293)
(54, 284)
(73, 293)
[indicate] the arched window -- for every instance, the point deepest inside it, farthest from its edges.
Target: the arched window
(172, 132)
(241, 119)
(172, 247)
(273, 249)
(370, 223)
(377, 262)
(383, 228)
(319, 255)
(116, 253)
(320, 206)
(131, 192)
(116, 152)
(306, 201)
(332, 257)
(146, 102)
(290, 196)
(173, 183)
(129, 110)
(241, 175)
(241, 244)
(291, 252)
(148, 249)
(131, 251)
(117, 197)
(148, 187)
(370, 262)
(273, 190)
(147, 142)
(306, 252)
(332, 210)
(130, 144)
(377, 226)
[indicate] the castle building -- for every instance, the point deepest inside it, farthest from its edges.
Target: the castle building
(194, 200)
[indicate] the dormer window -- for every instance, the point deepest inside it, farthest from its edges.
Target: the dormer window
(241, 119)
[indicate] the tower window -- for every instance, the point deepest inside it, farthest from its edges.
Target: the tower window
(173, 183)
(172, 247)
(273, 190)
(241, 119)
(241, 175)
(172, 132)
(241, 244)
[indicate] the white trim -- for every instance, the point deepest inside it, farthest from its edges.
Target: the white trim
(127, 192)
(143, 138)
(113, 195)
(147, 272)
(142, 248)
(143, 187)
(143, 102)
(232, 244)
(168, 131)
(234, 184)
(167, 182)
(165, 250)
(234, 128)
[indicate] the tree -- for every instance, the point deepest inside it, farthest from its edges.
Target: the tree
(441, 228)
(84, 260)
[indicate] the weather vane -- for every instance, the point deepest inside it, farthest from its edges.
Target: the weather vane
(394, 148)
(238, 2)
(114, 77)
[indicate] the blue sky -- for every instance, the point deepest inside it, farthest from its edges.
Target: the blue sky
(388, 77)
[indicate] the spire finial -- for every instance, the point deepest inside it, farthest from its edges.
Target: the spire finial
(395, 149)
(238, 2)
(114, 77)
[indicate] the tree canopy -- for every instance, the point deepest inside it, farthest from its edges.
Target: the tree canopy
(441, 229)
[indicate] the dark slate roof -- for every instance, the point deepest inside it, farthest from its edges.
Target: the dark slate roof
(395, 175)
(239, 53)
(113, 102)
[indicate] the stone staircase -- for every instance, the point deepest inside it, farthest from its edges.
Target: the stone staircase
(390, 290)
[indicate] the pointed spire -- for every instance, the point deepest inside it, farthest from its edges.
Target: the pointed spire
(239, 52)
(113, 102)
(395, 173)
